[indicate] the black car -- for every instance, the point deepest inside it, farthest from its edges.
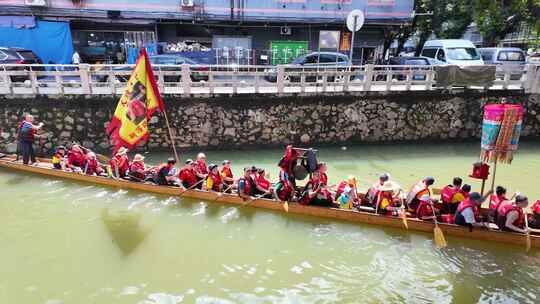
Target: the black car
(15, 56)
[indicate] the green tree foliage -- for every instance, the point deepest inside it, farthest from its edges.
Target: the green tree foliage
(496, 18)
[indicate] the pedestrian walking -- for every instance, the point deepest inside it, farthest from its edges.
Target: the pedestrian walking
(27, 131)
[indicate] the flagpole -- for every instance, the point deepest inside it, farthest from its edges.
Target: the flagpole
(173, 143)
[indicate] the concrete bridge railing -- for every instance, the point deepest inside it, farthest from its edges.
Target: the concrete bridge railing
(193, 80)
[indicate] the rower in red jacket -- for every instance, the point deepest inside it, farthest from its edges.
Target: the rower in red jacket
(450, 196)
(419, 190)
(187, 175)
(315, 193)
(262, 184)
(496, 200)
(120, 163)
(76, 158)
(511, 216)
(534, 220)
(227, 175)
(92, 165)
(137, 168)
(284, 189)
(371, 194)
(468, 211)
(201, 169)
(424, 209)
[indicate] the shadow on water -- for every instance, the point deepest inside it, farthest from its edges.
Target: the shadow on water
(125, 229)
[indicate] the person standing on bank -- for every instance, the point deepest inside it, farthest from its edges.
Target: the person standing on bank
(27, 132)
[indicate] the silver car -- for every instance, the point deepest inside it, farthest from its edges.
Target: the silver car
(506, 59)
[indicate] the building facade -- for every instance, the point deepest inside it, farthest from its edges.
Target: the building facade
(242, 31)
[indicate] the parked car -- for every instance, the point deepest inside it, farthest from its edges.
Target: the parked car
(534, 58)
(171, 60)
(417, 74)
(506, 59)
(452, 51)
(319, 60)
(16, 56)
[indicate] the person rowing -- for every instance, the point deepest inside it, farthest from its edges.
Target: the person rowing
(534, 220)
(425, 209)
(451, 196)
(322, 168)
(76, 158)
(496, 199)
(419, 190)
(92, 165)
(59, 158)
(348, 193)
(372, 192)
(288, 162)
(388, 200)
(283, 189)
(137, 169)
(187, 177)
(165, 173)
(468, 211)
(511, 216)
(227, 175)
(214, 181)
(120, 163)
(246, 185)
(315, 193)
(262, 184)
(201, 169)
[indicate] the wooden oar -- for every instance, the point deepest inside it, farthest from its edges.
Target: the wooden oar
(438, 235)
(220, 194)
(253, 198)
(191, 188)
(286, 206)
(528, 239)
(403, 214)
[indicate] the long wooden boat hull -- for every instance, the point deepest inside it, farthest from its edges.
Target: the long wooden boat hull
(294, 208)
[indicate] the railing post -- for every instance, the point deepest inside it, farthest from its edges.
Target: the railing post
(347, 74)
(186, 79)
(59, 83)
(389, 78)
(7, 81)
(84, 72)
(506, 79)
(210, 80)
(280, 79)
(368, 77)
(161, 81)
(429, 79)
(529, 78)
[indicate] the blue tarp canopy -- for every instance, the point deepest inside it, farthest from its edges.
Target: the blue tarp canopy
(51, 41)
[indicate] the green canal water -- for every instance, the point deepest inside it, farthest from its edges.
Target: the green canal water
(65, 242)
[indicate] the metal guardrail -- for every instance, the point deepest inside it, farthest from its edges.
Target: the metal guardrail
(191, 80)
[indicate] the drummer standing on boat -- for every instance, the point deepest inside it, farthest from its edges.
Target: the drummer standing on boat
(27, 131)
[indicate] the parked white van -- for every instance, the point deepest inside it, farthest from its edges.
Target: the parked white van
(452, 51)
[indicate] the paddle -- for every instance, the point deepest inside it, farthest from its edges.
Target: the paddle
(528, 239)
(253, 198)
(191, 188)
(286, 206)
(221, 193)
(438, 235)
(403, 213)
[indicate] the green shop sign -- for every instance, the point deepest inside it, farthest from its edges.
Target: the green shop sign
(284, 52)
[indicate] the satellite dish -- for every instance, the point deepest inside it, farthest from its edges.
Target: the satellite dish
(359, 16)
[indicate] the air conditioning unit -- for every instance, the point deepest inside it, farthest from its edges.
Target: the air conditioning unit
(286, 30)
(35, 2)
(186, 3)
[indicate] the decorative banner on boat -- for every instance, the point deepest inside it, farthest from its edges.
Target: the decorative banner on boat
(500, 132)
(140, 100)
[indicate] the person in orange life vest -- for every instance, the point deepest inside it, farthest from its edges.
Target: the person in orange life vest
(76, 158)
(165, 173)
(468, 211)
(26, 133)
(227, 174)
(59, 158)
(246, 185)
(371, 194)
(348, 193)
(187, 176)
(386, 199)
(511, 216)
(92, 165)
(316, 193)
(137, 169)
(449, 196)
(120, 163)
(214, 182)
(420, 189)
(534, 220)
(283, 190)
(424, 209)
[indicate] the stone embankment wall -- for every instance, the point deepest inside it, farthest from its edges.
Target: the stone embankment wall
(240, 122)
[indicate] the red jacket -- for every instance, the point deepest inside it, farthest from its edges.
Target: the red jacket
(121, 162)
(92, 167)
(137, 170)
(424, 210)
(201, 166)
(263, 182)
(76, 159)
(504, 209)
(536, 207)
(468, 204)
(188, 176)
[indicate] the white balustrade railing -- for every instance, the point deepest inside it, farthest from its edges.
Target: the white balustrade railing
(191, 80)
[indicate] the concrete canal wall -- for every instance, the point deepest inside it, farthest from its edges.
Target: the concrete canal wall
(241, 122)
